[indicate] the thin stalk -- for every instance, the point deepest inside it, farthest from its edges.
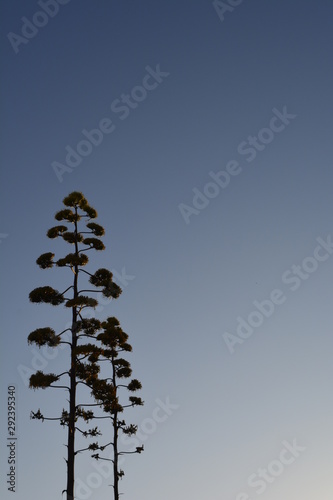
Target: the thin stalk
(72, 392)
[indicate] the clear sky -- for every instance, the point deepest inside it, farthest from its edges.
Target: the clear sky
(212, 175)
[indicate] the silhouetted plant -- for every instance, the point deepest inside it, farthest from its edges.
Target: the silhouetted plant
(106, 391)
(83, 368)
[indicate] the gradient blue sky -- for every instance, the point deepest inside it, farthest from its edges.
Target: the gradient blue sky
(190, 282)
